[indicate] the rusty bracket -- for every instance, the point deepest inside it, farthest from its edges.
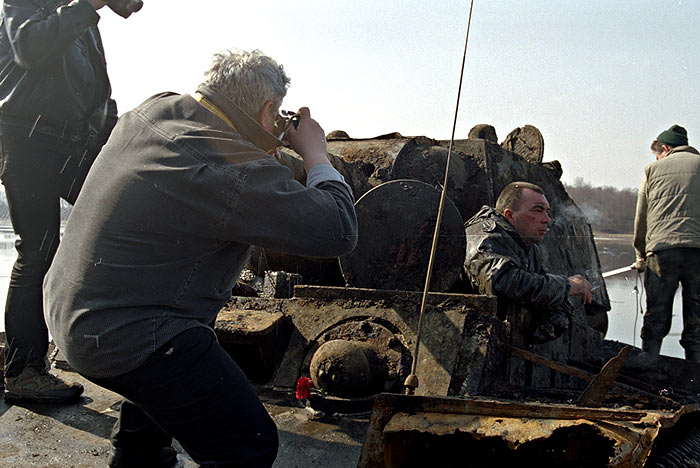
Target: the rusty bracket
(537, 359)
(597, 388)
(589, 377)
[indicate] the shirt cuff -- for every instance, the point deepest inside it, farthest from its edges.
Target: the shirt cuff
(323, 172)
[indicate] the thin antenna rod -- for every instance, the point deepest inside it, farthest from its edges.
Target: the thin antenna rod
(411, 382)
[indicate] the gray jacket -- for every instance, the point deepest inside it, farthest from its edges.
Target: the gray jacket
(668, 204)
(165, 223)
(498, 263)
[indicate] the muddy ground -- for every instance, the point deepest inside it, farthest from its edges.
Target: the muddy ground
(77, 435)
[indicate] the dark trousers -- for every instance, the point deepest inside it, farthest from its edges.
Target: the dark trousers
(36, 170)
(192, 390)
(665, 269)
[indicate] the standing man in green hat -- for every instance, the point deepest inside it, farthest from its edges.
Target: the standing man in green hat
(667, 240)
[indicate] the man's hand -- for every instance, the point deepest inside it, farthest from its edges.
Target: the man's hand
(581, 287)
(97, 4)
(639, 265)
(309, 140)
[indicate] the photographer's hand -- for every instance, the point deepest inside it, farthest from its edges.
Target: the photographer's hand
(309, 140)
(97, 4)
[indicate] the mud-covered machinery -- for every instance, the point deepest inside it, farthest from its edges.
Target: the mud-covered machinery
(486, 395)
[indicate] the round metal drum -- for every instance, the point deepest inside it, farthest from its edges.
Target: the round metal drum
(396, 226)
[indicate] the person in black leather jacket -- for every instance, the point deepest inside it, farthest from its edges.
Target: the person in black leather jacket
(503, 259)
(55, 114)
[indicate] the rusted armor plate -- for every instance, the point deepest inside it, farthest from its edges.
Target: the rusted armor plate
(424, 160)
(396, 223)
(599, 386)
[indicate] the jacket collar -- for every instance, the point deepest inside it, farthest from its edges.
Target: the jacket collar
(234, 116)
(683, 149)
(492, 219)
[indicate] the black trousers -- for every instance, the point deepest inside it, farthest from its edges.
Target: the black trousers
(191, 390)
(37, 169)
(665, 270)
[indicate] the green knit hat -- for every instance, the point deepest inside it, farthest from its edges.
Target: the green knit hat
(674, 136)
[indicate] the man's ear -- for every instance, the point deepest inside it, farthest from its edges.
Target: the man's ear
(508, 214)
(266, 115)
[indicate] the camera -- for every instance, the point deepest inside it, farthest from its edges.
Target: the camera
(125, 8)
(283, 122)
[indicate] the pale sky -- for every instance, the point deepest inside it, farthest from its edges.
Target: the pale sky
(600, 79)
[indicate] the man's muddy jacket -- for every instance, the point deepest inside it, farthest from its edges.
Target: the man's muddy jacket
(498, 263)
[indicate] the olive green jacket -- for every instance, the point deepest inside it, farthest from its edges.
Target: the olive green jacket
(668, 204)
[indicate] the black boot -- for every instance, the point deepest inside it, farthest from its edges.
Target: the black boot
(163, 458)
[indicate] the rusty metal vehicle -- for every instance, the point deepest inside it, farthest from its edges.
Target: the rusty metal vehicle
(487, 397)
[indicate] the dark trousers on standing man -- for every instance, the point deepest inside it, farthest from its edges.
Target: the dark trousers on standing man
(39, 165)
(190, 389)
(665, 270)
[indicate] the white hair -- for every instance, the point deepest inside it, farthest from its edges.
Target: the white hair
(248, 78)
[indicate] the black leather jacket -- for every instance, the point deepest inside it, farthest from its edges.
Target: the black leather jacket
(53, 75)
(498, 263)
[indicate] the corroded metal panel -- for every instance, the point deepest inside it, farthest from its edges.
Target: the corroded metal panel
(456, 353)
(623, 436)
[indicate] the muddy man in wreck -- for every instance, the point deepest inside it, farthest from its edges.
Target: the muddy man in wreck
(156, 241)
(503, 260)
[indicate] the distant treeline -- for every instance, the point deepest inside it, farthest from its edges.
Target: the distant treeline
(608, 209)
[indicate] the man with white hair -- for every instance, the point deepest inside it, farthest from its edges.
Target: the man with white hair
(164, 225)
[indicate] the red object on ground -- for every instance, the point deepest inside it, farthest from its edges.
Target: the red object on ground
(304, 385)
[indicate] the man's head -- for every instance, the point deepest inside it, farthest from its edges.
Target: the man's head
(669, 139)
(525, 206)
(252, 80)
